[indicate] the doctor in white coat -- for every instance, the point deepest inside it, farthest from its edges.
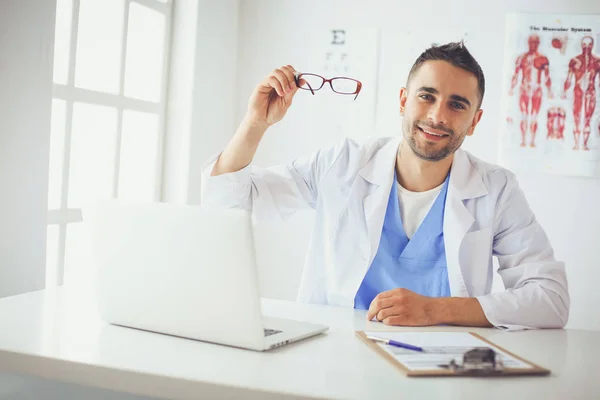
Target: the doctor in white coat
(405, 227)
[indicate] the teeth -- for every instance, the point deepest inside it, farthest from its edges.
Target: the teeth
(434, 134)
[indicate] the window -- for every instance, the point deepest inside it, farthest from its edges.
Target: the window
(108, 113)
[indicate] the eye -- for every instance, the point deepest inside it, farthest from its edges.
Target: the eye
(457, 105)
(426, 96)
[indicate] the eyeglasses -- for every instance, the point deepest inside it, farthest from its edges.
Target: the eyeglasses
(340, 85)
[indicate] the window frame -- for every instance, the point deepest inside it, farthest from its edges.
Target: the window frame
(71, 94)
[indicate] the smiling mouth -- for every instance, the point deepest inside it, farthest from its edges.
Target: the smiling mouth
(431, 133)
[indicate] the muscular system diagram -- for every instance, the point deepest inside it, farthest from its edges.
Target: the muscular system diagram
(533, 67)
(551, 94)
(584, 70)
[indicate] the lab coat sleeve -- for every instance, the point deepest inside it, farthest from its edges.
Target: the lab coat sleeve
(270, 193)
(536, 294)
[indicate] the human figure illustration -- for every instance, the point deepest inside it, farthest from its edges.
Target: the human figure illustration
(533, 66)
(584, 67)
(555, 122)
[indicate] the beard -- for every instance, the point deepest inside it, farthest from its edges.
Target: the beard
(430, 151)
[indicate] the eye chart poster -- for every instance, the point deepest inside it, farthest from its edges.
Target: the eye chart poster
(350, 52)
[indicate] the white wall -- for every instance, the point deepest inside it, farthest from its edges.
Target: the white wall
(202, 91)
(215, 85)
(180, 89)
(26, 63)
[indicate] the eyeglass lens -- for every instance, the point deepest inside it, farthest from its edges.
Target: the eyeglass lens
(339, 85)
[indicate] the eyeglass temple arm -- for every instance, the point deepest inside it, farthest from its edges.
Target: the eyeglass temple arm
(307, 84)
(358, 90)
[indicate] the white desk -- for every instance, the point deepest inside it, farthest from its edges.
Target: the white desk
(43, 334)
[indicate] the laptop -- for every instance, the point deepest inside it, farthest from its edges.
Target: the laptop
(185, 271)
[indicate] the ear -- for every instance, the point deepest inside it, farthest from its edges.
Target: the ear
(476, 119)
(403, 98)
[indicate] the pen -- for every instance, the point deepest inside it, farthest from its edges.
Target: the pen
(395, 343)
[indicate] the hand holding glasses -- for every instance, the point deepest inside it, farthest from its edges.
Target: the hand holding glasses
(340, 85)
(272, 97)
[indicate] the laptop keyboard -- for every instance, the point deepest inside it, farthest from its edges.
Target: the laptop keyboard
(269, 332)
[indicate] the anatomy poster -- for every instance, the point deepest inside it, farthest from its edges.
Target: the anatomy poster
(551, 88)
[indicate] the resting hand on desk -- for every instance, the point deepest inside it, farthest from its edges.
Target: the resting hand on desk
(407, 308)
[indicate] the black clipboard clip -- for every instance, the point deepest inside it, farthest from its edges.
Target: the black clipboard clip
(479, 361)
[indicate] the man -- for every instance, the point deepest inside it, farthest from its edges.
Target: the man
(404, 228)
(532, 66)
(584, 67)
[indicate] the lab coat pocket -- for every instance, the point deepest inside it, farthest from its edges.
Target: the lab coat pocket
(476, 261)
(348, 238)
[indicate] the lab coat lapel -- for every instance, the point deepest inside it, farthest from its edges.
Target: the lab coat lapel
(367, 201)
(379, 172)
(465, 183)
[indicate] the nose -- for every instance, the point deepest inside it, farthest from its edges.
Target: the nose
(437, 114)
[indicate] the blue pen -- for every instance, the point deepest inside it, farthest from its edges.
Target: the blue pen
(395, 343)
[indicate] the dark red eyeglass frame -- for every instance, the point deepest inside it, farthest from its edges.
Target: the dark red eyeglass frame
(312, 90)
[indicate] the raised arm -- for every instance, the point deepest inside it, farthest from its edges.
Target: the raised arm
(230, 180)
(268, 104)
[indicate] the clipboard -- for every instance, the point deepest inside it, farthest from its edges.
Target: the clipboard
(415, 364)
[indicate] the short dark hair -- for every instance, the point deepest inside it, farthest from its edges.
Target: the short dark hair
(455, 53)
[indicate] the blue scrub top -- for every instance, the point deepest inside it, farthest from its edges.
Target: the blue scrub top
(418, 264)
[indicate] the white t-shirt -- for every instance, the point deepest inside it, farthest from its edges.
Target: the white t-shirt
(414, 207)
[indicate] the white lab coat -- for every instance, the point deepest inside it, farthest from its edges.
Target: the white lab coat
(486, 214)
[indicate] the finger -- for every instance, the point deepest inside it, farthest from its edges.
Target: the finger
(394, 320)
(377, 305)
(388, 312)
(386, 302)
(283, 79)
(290, 72)
(388, 293)
(373, 309)
(371, 314)
(289, 68)
(272, 82)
